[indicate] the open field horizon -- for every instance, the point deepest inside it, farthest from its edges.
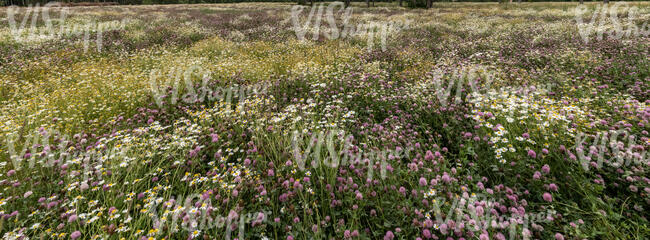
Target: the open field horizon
(281, 121)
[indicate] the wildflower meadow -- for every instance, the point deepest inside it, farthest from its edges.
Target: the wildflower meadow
(326, 120)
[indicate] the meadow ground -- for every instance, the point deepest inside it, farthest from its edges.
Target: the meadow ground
(257, 121)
